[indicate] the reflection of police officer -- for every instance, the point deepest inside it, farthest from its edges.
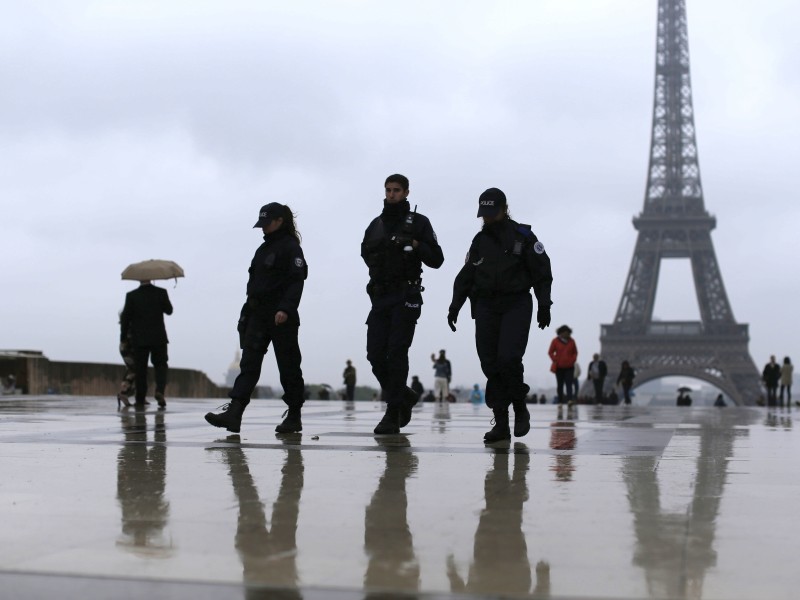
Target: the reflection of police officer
(268, 554)
(504, 262)
(395, 246)
(277, 273)
(392, 563)
(500, 565)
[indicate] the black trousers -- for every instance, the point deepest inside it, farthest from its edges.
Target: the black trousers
(565, 378)
(351, 391)
(141, 356)
(772, 394)
(261, 331)
(502, 325)
(390, 331)
(598, 389)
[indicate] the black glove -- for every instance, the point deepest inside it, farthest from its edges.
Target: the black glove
(452, 317)
(543, 316)
(241, 326)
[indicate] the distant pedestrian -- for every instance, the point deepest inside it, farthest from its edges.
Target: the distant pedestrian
(476, 397)
(417, 386)
(786, 380)
(625, 379)
(270, 316)
(128, 386)
(771, 377)
(142, 324)
(613, 398)
(563, 352)
(442, 375)
(349, 375)
(720, 402)
(598, 370)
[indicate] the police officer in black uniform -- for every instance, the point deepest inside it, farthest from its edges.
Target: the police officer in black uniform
(504, 262)
(395, 246)
(277, 274)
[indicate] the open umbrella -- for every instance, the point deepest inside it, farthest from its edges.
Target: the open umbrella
(149, 270)
(684, 389)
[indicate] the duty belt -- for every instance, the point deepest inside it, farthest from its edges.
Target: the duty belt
(386, 287)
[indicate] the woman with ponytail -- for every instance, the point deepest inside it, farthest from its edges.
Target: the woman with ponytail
(277, 274)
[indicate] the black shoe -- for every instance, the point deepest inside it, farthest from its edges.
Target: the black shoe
(410, 400)
(162, 402)
(390, 423)
(230, 418)
(500, 431)
(522, 419)
(291, 422)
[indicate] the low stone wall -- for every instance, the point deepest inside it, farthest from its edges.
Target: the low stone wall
(36, 374)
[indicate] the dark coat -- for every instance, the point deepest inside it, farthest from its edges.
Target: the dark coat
(143, 316)
(390, 266)
(504, 258)
(277, 275)
(771, 374)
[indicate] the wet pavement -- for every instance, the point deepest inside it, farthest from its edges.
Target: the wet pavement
(606, 502)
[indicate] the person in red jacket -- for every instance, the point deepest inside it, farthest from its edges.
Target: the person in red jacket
(563, 352)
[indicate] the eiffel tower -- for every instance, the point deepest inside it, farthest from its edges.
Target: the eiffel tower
(675, 224)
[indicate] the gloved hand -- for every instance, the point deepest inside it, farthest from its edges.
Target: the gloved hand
(241, 325)
(452, 317)
(543, 316)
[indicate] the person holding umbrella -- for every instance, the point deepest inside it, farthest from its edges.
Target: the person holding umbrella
(277, 275)
(142, 325)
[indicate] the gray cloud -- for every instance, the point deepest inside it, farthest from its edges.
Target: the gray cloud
(140, 130)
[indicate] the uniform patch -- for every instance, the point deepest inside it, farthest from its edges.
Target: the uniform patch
(298, 262)
(538, 247)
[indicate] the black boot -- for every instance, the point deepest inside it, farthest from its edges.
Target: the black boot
(390, 423)
(410, 400)
(522, 418)
(291, 422)
(500, 431)
(231, 416)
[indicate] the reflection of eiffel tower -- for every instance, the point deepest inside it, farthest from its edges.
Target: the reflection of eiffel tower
(675, 224)
(676, 548)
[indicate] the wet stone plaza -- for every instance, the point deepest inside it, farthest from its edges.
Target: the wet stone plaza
(597, 502)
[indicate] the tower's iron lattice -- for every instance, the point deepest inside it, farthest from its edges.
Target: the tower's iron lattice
(675, 224)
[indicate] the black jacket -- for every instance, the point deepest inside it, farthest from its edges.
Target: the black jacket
(277, 274)
(771, 374)
(390, 267)
(504, 258)
(143, 316)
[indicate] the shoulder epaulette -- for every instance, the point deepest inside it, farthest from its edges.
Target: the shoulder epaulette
(524, 230)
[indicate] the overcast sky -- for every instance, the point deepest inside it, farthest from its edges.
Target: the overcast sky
(136, 129)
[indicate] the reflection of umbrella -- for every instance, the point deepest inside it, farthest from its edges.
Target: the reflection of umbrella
(684, 389)
(152, 269)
